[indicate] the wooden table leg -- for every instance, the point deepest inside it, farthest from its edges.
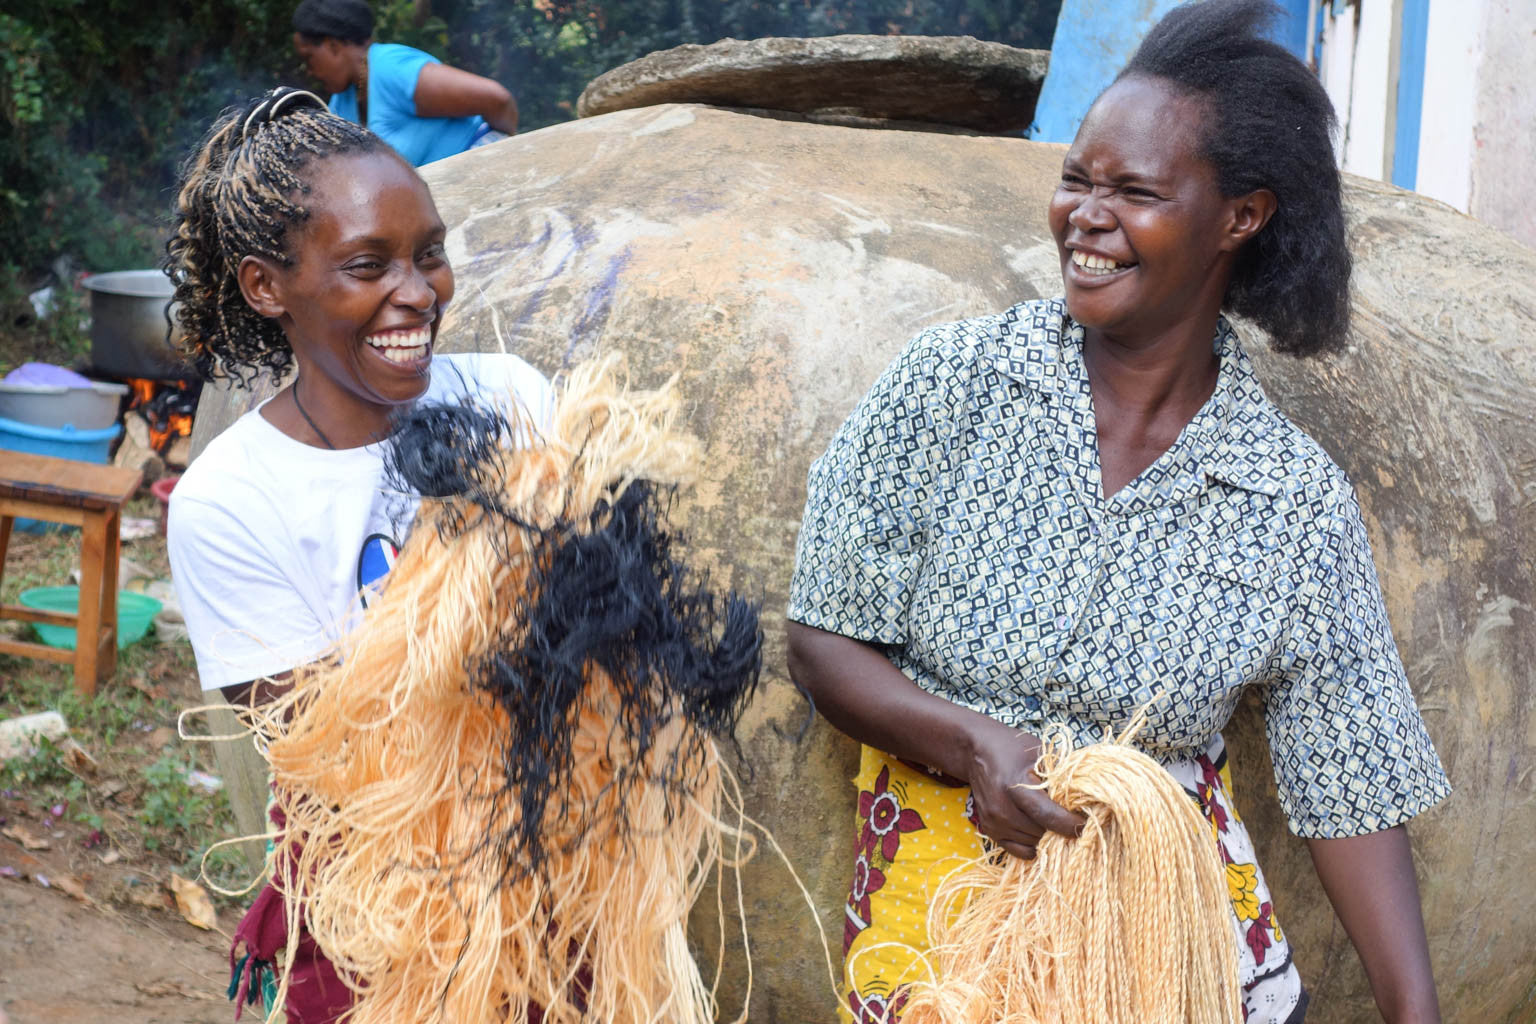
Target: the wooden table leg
(106, 663)
(93, 544)
(5, 541)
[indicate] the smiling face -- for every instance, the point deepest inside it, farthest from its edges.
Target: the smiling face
(1146, 239)
(362, 302)
(330, 61)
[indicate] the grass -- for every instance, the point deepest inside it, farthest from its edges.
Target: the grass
(137, 799)
(36, 560)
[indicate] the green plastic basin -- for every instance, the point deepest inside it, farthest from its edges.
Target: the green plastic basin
(135, 612)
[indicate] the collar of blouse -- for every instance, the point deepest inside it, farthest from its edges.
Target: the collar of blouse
(1043, 350)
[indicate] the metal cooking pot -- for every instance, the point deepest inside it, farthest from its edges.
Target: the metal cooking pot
(130, 320)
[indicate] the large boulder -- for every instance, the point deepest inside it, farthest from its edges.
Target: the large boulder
(777, 266)
(953, 81)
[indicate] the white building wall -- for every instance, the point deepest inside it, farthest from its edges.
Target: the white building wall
(1452, 60)
(1336, 67)
(1477, 128)
(1503, 152)
(1367, 141)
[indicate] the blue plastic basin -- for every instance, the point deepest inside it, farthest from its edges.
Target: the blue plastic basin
(62, 443)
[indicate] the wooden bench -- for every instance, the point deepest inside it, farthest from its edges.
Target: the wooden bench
(88, 496)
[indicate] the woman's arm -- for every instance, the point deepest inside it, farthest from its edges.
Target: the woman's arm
(443, 91)
(257, 692)
(1370, 881)
(861, 693)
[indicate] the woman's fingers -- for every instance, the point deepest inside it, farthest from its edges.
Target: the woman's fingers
(1019, 850)
(1010, 829)
(1021, 839)
(1047, 813)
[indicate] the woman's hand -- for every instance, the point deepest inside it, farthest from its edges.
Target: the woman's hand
(1010, 809)
(859, 691)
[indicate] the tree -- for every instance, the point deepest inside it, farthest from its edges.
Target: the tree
(100, 100)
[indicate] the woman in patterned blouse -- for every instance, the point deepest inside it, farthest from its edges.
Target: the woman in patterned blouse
(1055, 514)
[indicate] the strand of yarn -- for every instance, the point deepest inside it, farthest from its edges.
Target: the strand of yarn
(1127, 922)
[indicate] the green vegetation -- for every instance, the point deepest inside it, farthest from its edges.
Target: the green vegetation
(137, 796)
(100, 101)
(133, 791)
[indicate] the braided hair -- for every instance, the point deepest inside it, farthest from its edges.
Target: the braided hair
(1269, 126)
(239, 194)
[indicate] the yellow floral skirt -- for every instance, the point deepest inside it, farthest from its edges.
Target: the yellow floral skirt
(913, 828)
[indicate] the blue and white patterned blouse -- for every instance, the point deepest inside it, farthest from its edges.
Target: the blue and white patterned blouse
(958, 519)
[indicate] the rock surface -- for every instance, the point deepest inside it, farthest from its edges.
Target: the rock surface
(942, 80)
(777, 267)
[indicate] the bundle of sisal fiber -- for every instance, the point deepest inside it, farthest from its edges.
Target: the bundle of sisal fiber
(503, 793)
(1127, 922)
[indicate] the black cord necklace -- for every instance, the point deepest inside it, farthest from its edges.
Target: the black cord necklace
(312, 424)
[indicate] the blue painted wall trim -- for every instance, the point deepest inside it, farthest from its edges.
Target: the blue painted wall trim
(1414, 40)
(1093, 41)
(1290, 29)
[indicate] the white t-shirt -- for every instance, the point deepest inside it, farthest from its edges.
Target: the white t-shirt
(271, 541)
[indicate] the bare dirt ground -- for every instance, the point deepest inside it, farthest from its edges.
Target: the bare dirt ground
(94, 830)
(63, 962)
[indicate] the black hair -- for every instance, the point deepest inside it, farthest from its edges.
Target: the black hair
(606, 594)
(351, 21)
(1270, 126)
(240, 192)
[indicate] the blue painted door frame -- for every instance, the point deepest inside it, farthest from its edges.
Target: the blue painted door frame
(1413, 41)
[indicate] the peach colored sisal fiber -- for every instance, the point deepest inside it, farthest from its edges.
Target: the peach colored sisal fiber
(1128, 922)
(386, 765)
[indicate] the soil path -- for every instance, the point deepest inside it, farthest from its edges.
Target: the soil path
(64, 962)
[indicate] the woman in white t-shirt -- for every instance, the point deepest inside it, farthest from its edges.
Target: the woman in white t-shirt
(303, 240)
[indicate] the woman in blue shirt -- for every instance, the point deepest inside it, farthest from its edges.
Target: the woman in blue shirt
(422, 107)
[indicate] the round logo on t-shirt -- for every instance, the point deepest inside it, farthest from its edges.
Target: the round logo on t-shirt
(373, 564)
